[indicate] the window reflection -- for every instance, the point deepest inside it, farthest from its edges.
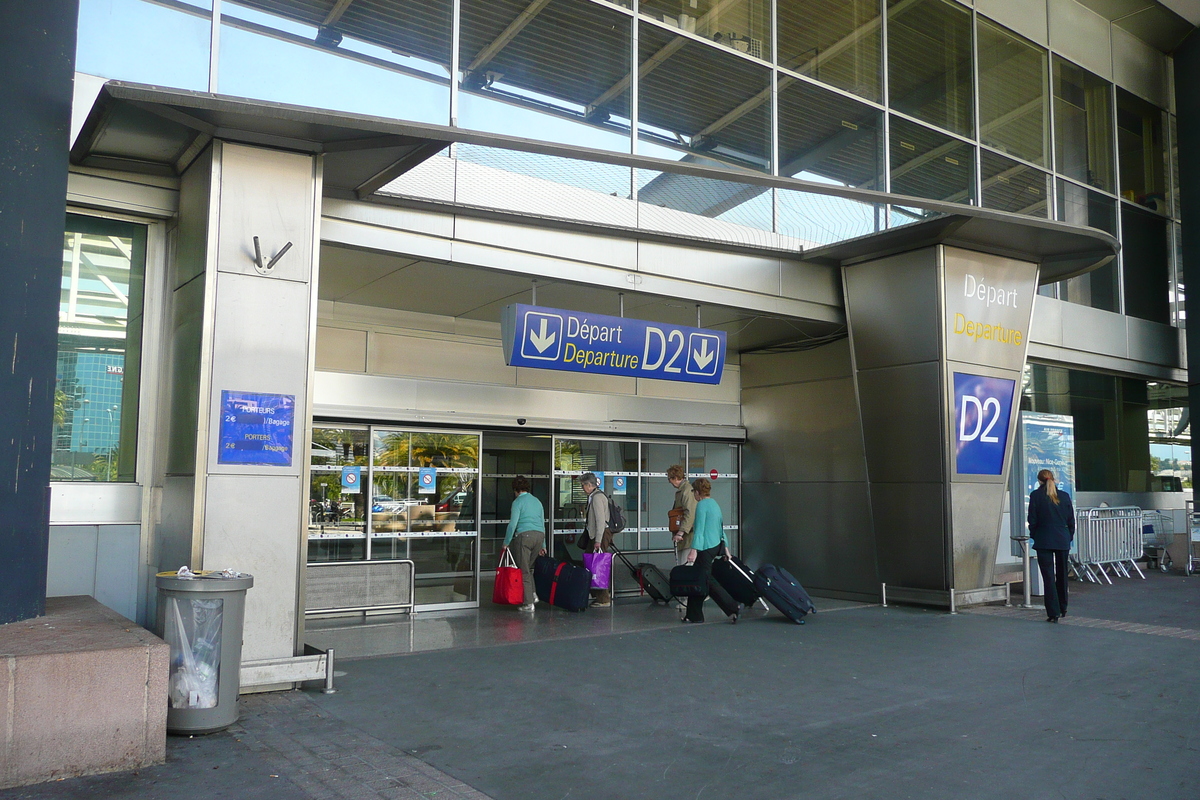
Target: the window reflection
(926, 163)
(1013, 108)
(741, 25)
(555, 71)
(929, 62)
(172, 45)
(1142, 152)
(386, 61)
(1012, 186)
(1083, 125)
(835, 43)
(1082, 206)
(337, 513)
(712, 105)
(99, 351)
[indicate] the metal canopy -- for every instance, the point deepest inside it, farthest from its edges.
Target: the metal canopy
(146, 129)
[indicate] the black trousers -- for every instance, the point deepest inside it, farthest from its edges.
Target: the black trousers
(704, 560)
(1053, 566)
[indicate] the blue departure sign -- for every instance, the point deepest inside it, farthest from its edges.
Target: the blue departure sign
(982, 410)
(256, 429)
(552, 338)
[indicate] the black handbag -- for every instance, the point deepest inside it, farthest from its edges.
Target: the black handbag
(689, 580)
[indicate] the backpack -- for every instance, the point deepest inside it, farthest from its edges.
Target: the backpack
(616, 516)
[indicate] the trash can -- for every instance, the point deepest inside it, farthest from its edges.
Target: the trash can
(200, 617)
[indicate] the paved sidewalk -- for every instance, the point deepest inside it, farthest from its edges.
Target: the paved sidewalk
(864, 703)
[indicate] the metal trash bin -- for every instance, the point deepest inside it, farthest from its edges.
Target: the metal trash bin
(200, 617)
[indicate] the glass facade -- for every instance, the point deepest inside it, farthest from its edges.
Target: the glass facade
(921, 97)
(99, 350)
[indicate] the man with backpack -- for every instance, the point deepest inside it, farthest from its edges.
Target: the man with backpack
(598, 534)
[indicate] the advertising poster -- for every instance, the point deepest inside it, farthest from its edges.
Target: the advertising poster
(256, 429)
(1049, 443)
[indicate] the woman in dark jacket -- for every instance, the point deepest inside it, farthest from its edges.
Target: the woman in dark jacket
(1052, 528)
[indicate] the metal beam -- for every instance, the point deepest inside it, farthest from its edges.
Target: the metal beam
(336, 12)
(417, 155)
(500, 42)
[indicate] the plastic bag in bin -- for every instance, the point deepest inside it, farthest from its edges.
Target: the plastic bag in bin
(193, 631)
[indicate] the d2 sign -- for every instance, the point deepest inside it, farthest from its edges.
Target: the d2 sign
(982, 411)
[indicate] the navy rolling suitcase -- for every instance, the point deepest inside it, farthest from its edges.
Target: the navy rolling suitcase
(784, 592)
(737, 579)
(561, 583)
(650, 578)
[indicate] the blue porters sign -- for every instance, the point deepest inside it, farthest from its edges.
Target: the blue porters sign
(552, 338)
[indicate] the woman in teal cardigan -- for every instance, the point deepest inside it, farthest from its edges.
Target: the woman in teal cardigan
(708, 538)
(526, 535)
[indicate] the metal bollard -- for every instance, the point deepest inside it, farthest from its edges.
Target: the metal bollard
(883, 590)
(329, 673)
(953, 610)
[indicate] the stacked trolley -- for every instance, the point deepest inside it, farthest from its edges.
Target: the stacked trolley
(1107, 540)
(1158, 534)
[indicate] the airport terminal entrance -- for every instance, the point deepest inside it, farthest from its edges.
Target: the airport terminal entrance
(385, 496)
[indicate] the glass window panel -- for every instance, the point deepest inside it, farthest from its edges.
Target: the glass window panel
(1082, 206)
(835, 43)
(562, 72)
(710, 104)
(1013, 107)
(1083, 126)
(1012, 186)
(445, 569)
(1173, 158)
(827, 137)
(705, 209)
(336, 520)
(171, 50)
(445, 450)
(1145, 265)
(817, 219)
(741, 25)
(99, 351)
(929, 63)
(1142, 152)
(389, 61)
(926, 163)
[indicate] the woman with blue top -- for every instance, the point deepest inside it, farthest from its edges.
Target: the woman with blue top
(526, 535)
(708, 537)
(1052, 528)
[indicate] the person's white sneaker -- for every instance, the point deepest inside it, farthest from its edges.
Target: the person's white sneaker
(526, 607)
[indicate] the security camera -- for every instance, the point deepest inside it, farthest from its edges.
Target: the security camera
(520, 420)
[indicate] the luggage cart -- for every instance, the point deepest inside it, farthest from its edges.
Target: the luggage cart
(1158, 533)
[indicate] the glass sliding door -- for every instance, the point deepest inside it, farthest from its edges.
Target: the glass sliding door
(658, 495)
(615, 462)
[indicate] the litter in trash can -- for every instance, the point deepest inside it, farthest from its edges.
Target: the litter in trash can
(196, 643)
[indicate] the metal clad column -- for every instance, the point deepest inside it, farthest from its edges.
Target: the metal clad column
(1187, 102)
(37, 60)
(930, 346)
(256, 335)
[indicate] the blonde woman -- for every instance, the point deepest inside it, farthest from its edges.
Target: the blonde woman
(1052, 528)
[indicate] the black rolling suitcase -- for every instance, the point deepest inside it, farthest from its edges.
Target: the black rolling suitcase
(561, 583)
(737, 579)
(650, 578)
(784, 592)
(729, 606)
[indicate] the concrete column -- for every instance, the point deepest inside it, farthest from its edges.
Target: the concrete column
(241, 328)
(37, 60)
(939, 336)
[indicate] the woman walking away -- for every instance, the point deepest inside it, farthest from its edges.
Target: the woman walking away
(527, 535)
(708, 537)
(1052, 528)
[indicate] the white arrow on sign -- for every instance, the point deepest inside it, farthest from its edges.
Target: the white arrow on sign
(705, 356)
(544, 339)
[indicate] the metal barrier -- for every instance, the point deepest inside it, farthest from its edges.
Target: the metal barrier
(1106, 539)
